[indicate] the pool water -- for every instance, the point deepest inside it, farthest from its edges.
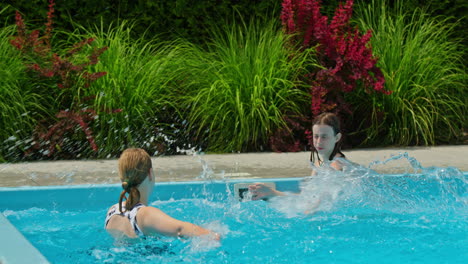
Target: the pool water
(362, 217)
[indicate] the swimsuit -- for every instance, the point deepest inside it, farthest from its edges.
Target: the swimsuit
(131, 216)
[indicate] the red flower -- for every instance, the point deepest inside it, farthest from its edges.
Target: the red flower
(342, 50)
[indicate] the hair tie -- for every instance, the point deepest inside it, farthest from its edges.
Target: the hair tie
(126, 186)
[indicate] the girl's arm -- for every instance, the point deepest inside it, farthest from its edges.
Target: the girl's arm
(153, 220)
(262, 191)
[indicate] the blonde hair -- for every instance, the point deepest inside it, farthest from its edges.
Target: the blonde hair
(134, 166)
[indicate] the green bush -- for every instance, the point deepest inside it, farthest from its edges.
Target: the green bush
(239, 89)
(140, 81)
(423, 68)
(20, 105)
(174, 19)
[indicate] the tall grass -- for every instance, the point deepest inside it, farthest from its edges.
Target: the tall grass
(423, 69)
(20, 105)
(139, 78)
(241, 87)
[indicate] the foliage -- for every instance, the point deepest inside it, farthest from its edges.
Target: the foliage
(63, 78)
(143, 81)
(240, 88)
(295, 137)
(20, 104)
(423, 68)
(177, 18)
(343, 52)
(237, 87)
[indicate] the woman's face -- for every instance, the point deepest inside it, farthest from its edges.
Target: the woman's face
(324, 140)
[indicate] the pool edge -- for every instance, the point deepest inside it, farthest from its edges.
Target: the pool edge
(15, 248)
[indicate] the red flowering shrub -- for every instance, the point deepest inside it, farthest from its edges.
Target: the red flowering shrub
(343, 52)
(291, 139)
(64, 73)
(346, 60)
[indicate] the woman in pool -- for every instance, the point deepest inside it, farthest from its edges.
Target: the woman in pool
(326, 147)
(133, 217)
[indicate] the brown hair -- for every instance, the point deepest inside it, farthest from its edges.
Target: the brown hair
(134, 166)
(332, 120)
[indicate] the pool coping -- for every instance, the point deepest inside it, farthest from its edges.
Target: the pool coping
(200, 166)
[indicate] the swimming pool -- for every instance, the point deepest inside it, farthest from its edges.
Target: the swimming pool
(365, 218)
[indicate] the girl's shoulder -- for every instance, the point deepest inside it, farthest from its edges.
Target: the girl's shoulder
(336, 164)
(338, 161)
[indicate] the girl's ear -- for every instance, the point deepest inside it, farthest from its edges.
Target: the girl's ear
(338, 137)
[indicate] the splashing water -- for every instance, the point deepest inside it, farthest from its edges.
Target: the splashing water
(358, 188)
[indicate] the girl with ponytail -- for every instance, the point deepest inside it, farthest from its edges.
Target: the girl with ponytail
(131, 217)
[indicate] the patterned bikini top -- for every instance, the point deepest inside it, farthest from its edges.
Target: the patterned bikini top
(131, 216)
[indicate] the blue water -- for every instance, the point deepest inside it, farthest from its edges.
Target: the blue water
(362, 217)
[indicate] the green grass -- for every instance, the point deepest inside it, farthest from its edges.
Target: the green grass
(423, 68)
(20, 105)
(240, 88)
(140, 80)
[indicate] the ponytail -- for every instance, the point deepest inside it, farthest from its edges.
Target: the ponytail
(133, 198)
(134, 166)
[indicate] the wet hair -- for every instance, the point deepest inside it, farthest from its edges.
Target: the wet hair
(134, 166)
(333, 121)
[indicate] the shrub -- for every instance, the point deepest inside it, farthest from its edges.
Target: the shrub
(20, 105)
(61, 79)
(175, 18)
(343, 53)
(240, 88)
(423, 68)
(143, 79)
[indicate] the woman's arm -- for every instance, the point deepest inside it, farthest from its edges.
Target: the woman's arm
(153, 220)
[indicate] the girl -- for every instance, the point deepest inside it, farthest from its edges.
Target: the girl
(326, 135)
(326, 147)
(133, 217)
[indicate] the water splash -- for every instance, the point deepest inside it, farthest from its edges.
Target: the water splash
(360, 188)
(415, 165)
